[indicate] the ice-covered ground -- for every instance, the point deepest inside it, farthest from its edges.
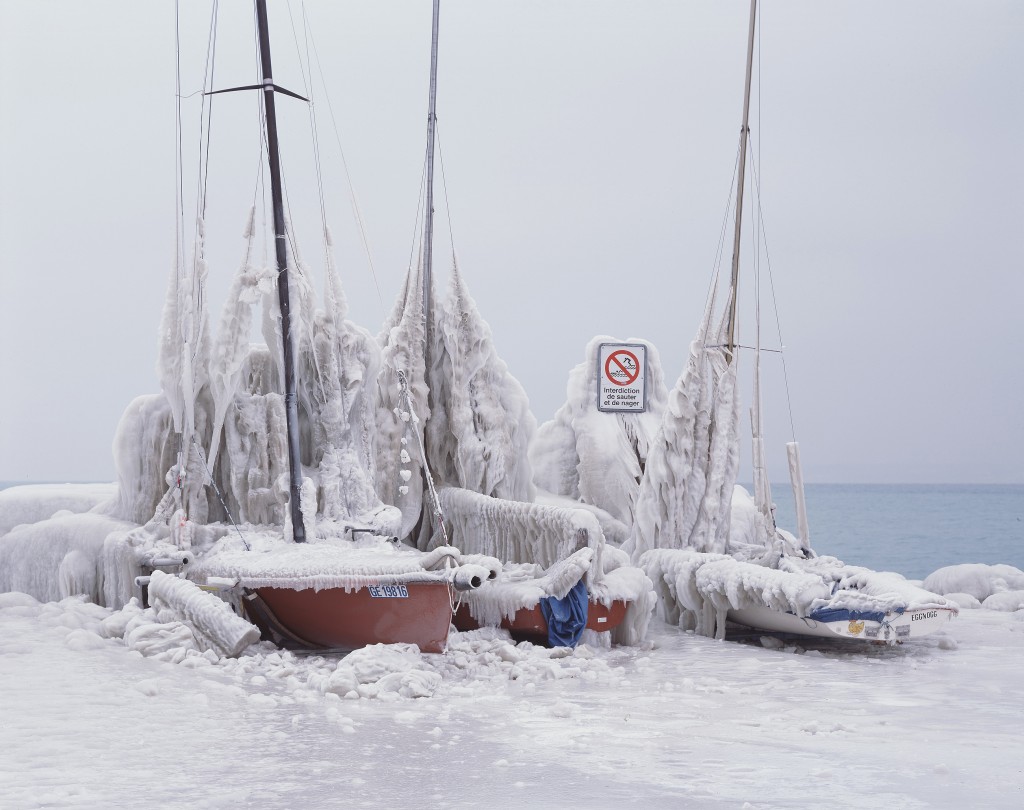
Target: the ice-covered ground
(685, 721)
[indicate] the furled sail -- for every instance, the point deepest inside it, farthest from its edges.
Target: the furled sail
(685, 494)
(399, 466)
(481, 424)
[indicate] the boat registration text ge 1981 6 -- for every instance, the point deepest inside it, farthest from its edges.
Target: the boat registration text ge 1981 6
(389, 591)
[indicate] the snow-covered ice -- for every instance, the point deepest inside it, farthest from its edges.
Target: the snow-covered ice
(684, 721)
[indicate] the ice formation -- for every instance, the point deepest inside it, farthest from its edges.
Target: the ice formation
(203, 470)
(545, 550)
(977, 579)
(31, 503)
(685, 495)
(403, 341)
(210, 619)
(32, 557)
(328, 564)
(481, 425)
(517, 532)
(596, 457)
(697, 590)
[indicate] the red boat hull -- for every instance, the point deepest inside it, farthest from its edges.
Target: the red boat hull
(336, 619)
(528, 623)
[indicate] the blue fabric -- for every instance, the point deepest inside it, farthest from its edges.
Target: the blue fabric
(842, 615)
(566, 618)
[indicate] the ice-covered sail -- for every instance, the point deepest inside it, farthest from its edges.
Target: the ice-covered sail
(183, 367)
(481, 425)
(399, 465)
(685, 494)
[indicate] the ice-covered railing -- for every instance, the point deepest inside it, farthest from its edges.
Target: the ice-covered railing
(518, 532)
(555, 546)
(269, 562)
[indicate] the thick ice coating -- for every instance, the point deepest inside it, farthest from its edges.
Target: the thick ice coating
(594, 457)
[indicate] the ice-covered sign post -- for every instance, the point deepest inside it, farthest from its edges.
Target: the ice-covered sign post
(621, 377)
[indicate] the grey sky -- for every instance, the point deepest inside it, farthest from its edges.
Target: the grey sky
(588, 149)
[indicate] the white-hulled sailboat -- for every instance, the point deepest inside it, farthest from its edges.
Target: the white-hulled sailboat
(714, 551)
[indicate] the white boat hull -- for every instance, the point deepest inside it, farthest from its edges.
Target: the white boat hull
(894, 627)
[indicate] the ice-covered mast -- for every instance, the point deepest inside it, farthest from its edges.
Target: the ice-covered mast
(281, 246)
(428, 218)
(744, 133)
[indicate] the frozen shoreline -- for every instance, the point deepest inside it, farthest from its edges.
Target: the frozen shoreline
(686, 722)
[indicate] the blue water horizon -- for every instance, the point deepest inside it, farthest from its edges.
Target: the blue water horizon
(913, 529)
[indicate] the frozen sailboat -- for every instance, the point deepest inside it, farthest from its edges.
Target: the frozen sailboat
(714, 552)
(253, 472)
(351, 584)
(548, 564)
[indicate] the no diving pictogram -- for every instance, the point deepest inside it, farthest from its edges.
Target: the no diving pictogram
(622, 367)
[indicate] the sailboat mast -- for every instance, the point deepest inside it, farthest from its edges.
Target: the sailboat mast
(428, 219)
(744, 133)
(281, 246)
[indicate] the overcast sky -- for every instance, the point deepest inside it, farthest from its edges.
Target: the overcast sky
(588, 151)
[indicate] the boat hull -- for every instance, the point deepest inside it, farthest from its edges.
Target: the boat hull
(340, 620)
(895, 627)
(528, 624)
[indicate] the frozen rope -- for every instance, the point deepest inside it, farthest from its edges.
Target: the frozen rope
(775, 303)
(220, 497)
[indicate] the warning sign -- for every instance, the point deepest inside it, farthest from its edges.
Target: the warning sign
(621, 377)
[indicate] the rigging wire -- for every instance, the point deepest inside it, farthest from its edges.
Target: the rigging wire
(709, 299)
(444, 187)
(179, 190)
(204, 153)
(775, 304)
(353, 198)
(220, 497)
(420, 205)
(307, 85)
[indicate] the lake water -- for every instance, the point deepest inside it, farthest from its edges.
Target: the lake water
(910, 528)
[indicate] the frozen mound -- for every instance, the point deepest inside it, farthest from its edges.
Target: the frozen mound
(1006, 601)
(31, 503)
(596, 457)
(977, 579)
(473, 662)
(964, 600)
(382, 669)
(64, 556)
